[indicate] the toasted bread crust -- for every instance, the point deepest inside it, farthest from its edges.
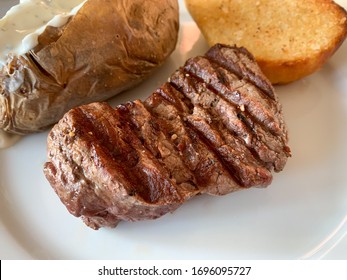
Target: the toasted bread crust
(289, 39)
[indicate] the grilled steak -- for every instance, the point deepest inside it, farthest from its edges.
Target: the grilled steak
(215, 127)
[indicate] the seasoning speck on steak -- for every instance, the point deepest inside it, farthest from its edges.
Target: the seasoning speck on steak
(215, 127)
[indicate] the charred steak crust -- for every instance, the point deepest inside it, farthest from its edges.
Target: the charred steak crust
(215, 127)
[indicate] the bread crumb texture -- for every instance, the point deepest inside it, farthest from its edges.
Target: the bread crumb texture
(290, 38)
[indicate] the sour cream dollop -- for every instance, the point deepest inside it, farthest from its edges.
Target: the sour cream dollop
(23, 23)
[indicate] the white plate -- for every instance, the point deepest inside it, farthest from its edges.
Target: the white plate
(301, 215)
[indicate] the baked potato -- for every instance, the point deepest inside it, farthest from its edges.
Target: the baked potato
(108, 46)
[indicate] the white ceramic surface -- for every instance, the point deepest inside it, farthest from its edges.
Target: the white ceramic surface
(303, 214)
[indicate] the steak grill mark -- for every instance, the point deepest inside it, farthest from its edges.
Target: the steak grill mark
(215, 127)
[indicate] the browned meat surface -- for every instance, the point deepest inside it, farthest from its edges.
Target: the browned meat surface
(215, 127)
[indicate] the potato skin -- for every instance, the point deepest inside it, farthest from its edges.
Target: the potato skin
(107, 47)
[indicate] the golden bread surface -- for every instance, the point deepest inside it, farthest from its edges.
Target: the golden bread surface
(290, 39)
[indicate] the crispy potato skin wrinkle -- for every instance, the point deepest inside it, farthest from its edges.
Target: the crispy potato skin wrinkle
(107, 47)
